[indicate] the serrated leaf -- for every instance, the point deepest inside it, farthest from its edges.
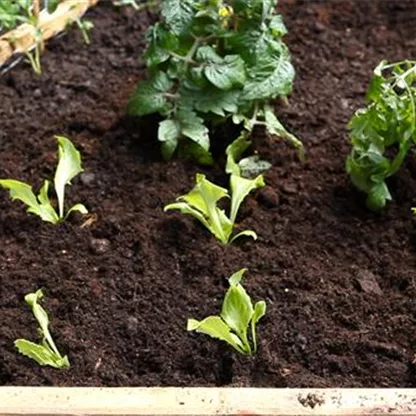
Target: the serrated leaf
(270, 77)
(225, 73)
(210, 100)
(150, 96)
(178, 14)
(69, 166)
(240, 188)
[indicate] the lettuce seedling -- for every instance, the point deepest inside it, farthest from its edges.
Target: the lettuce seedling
(46, 352)
(383, 133)
(238, 316)
(69, 166)
(202, 202)
(213, 60)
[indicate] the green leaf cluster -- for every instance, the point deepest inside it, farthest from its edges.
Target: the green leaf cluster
(238, 318)
(383, 133)
(46, 352)
(14, 12)
(209, 60)
(69, 166)
(202, 203)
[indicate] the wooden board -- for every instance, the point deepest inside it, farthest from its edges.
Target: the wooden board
(22, 39)
(45, 401)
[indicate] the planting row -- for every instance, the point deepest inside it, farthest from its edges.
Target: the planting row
(210, 62)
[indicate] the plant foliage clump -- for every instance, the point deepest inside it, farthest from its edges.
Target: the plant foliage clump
(210, 60)
(238, 318)
(69, 166)
(383, 133)
(45, 353)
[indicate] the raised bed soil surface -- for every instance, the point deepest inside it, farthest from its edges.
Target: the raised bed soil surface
(338, 280)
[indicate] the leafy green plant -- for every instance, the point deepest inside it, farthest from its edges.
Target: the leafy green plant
(210, 60)
(383, 133)
(69, 165)
(201, 202)
(238, 316)
(14, 12)
(46, 352)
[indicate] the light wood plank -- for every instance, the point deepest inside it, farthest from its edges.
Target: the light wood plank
(44, 401)
(22, 39)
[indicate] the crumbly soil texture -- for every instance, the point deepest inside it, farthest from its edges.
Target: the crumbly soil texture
(120, 284)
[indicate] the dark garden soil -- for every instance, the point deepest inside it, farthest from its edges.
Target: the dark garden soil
(338, 280)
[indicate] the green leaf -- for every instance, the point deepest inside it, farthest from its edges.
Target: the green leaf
(193, 127)
(248, 167)
(225, 73)
(161, 42)
(271, 77)
(234, 152)
(275, 128)
(77, 208)
(201, 203)
(253, 166)
(23, 192)
(212, 100)
(240, 188)
(45, 353)
(236, 314)
(245, 233)
(259, 312)
(150, 96)
(215, 327)
(237, 311)
(41, 354)
(69, 166)
(169, 133)
(178, 14)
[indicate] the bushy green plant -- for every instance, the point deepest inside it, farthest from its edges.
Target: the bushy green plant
(237, 319)
(210, 60)
(383, 133)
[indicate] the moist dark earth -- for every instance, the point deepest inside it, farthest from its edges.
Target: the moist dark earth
(339, 281)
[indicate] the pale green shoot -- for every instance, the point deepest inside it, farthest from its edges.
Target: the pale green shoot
(69, 165)
(46, 352)
(238, 317)
(202, 202)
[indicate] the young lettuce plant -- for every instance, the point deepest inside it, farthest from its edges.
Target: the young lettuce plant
(238, 316)
(210, 60)
(46, 352)
(69, 166)
(201, 202)
(383, 133)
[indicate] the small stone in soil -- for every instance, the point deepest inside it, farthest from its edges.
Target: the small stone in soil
(268, 197)
(87, 178)
(99, 245)
(368, 282)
